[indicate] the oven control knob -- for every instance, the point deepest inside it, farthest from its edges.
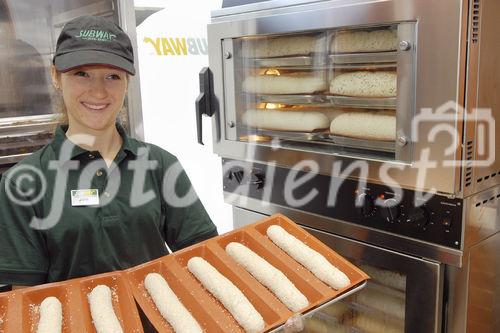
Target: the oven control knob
(365, 203)
(258, 179)
(390, 210)
(236, 175)
(418, 217)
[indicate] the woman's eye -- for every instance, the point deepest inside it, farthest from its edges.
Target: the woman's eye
(114, 77)
(80, 73)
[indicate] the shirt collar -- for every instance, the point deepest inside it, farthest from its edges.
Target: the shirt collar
(129, 145)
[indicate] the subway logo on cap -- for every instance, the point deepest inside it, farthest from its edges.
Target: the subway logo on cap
(98, 35)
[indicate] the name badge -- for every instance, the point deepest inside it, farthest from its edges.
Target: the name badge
(84, 197)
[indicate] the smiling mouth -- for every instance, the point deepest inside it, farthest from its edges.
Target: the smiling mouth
(94, 107)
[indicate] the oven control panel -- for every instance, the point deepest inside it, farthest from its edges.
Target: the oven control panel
(424, 216)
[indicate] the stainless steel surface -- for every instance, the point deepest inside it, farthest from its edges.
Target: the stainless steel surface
(424, 279)
(483, 216)
(16, 126)
(126, 19)
(326, 304)
(442, 69)
(483, 78)
(364, 58)
(361, 233)
(474, 290)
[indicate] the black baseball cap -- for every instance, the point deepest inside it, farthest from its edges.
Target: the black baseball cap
(93, 40)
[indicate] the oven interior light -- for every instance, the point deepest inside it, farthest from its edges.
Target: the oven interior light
(273, 106)
(272, 72)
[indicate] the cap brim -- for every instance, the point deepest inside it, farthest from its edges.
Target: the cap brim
(67, 61)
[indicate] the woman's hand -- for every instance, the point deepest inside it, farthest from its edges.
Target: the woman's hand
(294, 324)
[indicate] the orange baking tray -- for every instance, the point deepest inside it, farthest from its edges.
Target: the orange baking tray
(22, 307)
(208, 311)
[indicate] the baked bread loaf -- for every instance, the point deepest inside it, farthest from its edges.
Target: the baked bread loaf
(282, 46)
(365, 41)
(365, 125)
(300, 121)
(365, 84)
(283, 84)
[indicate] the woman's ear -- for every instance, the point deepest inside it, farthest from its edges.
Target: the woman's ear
(56, 77)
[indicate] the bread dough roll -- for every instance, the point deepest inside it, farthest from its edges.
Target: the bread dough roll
(50, 316)
(365, 125)
(269, 276)
(388, 304)
(228, 294)
(283, 84)
(301, 121)
(282, 46)
(101, 309)
(365, 41)
(309, 258)
(371, 324)
(392, 279)
(365, 84)
(169, 305)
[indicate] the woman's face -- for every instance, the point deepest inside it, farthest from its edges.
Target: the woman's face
(93, 96)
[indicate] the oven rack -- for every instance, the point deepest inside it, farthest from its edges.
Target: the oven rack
(326, 100)
(325, 137)
(340, 60)
(364, 58)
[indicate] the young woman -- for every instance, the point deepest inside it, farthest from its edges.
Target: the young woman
(94, 200)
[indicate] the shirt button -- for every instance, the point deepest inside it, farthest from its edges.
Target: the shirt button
(106, 194)
(99, 173)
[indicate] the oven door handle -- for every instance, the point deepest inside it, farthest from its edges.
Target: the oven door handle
(204, 100)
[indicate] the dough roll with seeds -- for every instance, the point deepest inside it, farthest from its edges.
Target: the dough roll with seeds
(268, 275)
(101, 309)
(169, 305)
(365, 84)
(309, 258)
(228, 294)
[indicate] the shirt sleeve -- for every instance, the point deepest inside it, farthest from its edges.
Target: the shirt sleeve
(186, 220)
(23, 255)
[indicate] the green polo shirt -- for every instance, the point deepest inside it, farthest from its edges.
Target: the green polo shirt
(49, 233)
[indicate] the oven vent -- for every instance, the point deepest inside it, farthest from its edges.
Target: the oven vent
(469, 150)
(493, 175)
(475, 21)
(488, 200)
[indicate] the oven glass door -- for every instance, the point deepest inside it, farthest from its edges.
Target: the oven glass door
(348, 90)
(403, 294)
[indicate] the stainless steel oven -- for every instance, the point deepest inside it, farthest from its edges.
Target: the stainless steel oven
(364, 122)
(346, 80)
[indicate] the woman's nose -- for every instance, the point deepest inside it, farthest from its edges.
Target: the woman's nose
(98, 88)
